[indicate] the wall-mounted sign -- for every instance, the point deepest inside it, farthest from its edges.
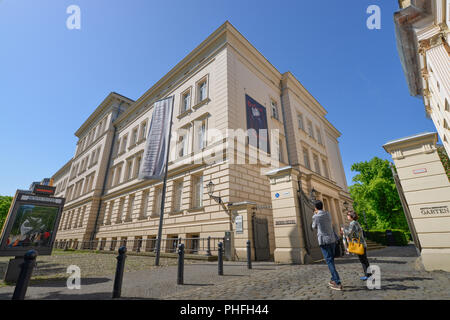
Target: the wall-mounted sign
(277, 195)
(418, 171)
(239, 224)
(284, 222)
(435, 210)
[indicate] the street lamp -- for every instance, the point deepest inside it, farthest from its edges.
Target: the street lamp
(210, 187)
(345, 206)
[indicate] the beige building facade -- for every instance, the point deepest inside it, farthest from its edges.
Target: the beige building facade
(425, 187)
(422, 29)
(105, 201)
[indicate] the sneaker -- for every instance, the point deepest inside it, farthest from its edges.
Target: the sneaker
(364, 278)
(333, 285)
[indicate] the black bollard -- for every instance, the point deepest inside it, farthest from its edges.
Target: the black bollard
(119, 272)
(25, 275)
(249, 255)
(220, 258)
(180, 276)
(208, 250)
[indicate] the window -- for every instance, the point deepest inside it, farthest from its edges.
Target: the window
(186, 101)
(300, 121)
(316, 164)
(325, 168)
(306, 158)
(137, 166)
(198, 192)
(201, 135)
(81, 220)
(124, 143)
(177, 195)
(120, 211)
(310, 129)
(129, 170)
(97, 155)
(129, 215)
(157, 203)
(134, 137)
(144, 204)
(319, 135)
(116, 147)
(110, 212)
(202, 90)
(280, 151)
(117, 175)
(143, 130)
(182, 144)
(274, 107)
(447, 106)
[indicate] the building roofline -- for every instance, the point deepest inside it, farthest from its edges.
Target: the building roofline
(100, 109)
(413, 138)
(65, 166)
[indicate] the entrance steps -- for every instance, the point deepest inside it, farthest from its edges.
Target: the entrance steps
(372, 245)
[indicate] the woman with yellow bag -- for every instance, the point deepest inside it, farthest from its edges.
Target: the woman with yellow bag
(356, 242)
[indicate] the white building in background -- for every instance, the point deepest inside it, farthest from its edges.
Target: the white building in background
(422, 29)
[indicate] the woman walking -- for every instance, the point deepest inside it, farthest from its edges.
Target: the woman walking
(354, 232)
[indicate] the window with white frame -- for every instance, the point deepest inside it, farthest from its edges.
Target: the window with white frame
(137, 165)
(280, 151)
(198, 192)
(325, 168)
(117, 174)
(143, 130)
(183, 143)
(316, 164)
(129, 170)
(144, 204)
(200, 134)
(202, 89)
(134, 136)
(130, 208)
(124, 143)
(121, 209)
(310, 129)
(185, 101)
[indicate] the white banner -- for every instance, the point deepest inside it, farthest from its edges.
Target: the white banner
(153, 163)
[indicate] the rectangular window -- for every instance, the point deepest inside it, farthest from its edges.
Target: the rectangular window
(301, 125)
(306, 158)
(316, 164)
(134, 136)
(144, 204)
(137, 166)
(120, 211)
(143, 130)
(186, 102)
(124, 143)
(274, 109)
(325, 168)
(310, 129)
(157, 203)
(110, 212)
(183, 145)
(117, 175)
(177, 196)
(198, 192)
(319, 135)
(201, 135)
(202, 90)
(280, 151)
(130, 208)
(129, 170)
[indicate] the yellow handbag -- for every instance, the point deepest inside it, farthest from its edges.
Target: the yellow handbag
(356, 247)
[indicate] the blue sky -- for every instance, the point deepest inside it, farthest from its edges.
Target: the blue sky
(52, 78)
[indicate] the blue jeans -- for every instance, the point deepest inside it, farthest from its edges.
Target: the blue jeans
(328, 253)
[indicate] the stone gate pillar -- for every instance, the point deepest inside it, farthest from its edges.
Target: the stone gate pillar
(289, 243)
(425, 188)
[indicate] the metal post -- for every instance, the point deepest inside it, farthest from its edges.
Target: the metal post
(180, 276)
(220, 258)
(25, 275)
(208, 251)
(249, 255)
(119, 272)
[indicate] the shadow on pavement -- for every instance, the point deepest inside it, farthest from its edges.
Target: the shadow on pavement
(395, 287)
(62, 282)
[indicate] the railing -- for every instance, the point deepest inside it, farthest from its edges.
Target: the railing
(201, 246)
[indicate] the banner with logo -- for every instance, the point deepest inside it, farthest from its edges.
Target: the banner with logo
(153, 163)
(257, 124)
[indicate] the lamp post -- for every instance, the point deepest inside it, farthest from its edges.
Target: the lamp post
(210, 187)
(313, 194)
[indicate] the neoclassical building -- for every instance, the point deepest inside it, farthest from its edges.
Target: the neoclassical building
(105, 201)
(422, 30)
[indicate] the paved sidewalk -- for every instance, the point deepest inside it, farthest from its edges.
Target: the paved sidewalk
(400, 279)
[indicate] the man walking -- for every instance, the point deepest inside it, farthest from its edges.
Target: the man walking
(327, 241)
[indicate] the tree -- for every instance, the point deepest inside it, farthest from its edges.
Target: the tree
(374, 192)
(445, 160)
(5, 203)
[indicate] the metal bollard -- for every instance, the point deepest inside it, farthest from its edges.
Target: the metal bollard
(249, 255)
(180, 276)
(25, 275)
(220, 258)
(119, 272)
(208, 251)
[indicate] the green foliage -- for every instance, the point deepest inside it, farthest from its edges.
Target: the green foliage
(375, 194)
(445, 160)
(5, 203)
(401, 237)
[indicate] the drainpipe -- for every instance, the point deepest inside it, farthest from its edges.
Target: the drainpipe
(108, 164)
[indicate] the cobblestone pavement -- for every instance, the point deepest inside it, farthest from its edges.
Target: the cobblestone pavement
(401, 278)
